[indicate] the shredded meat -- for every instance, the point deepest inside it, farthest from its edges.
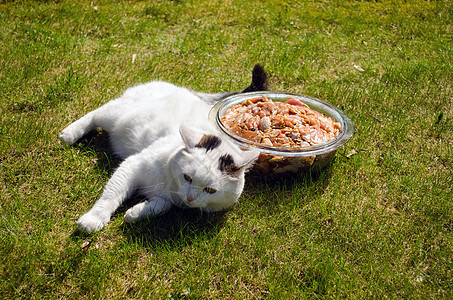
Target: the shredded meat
(284, 124)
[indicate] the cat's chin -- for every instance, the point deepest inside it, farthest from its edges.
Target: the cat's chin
(192, 205)
(211, 207)
(202, 206)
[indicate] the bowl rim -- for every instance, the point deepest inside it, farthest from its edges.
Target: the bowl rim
(347, 126)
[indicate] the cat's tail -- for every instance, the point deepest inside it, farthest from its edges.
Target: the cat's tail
(259, 80)
(259, 83)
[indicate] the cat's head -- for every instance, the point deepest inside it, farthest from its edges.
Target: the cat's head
(209, 171)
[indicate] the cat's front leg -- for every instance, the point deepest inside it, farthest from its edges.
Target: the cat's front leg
(93, 221)
(122, 184)
(151, 207)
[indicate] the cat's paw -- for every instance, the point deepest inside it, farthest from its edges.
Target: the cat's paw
(135, 213)
(69, 135)
(90, 222)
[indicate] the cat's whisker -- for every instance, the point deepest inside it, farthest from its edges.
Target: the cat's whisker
(178, 196)
(206, 209)
(151, 188)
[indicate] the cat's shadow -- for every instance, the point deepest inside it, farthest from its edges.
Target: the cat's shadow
(174, 229)
(178, 227)
(96, 143)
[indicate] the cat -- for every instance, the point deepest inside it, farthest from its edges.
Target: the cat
(172, 153)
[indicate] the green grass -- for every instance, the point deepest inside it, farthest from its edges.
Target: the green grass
(376, 224)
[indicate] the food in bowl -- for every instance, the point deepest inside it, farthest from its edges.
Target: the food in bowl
(277, 161)
(284, 124)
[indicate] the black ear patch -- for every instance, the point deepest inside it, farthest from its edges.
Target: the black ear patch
(209, 142)
(227, 164)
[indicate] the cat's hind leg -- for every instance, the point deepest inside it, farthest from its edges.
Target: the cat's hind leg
(104, 117)
(78, 129)
(142, 210)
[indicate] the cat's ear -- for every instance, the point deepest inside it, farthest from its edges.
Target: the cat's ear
(248, 158)
(236, 168)
(189, 136)
(193, 138)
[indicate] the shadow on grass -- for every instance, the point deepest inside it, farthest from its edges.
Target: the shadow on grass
(176, 229)
(320, 178)
(96, 143)
(267, 192)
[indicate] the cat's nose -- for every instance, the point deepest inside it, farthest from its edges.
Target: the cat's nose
(190, 197)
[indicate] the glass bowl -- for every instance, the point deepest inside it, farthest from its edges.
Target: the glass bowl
(284, 161)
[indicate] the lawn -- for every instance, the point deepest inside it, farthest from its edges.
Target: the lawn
(376, 223)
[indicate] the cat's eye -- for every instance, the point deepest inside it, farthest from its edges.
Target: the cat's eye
(209, 190)
(188, 178)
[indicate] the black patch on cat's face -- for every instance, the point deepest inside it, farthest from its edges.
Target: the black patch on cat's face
(209, 142)
(227, 164)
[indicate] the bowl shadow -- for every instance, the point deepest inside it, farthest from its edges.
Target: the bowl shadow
(308, 176)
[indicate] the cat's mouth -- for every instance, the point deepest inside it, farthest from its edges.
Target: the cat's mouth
(190, 203)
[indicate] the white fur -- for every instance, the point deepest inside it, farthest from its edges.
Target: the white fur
(154, 127)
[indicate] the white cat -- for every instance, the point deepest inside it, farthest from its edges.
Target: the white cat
(172, 153)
